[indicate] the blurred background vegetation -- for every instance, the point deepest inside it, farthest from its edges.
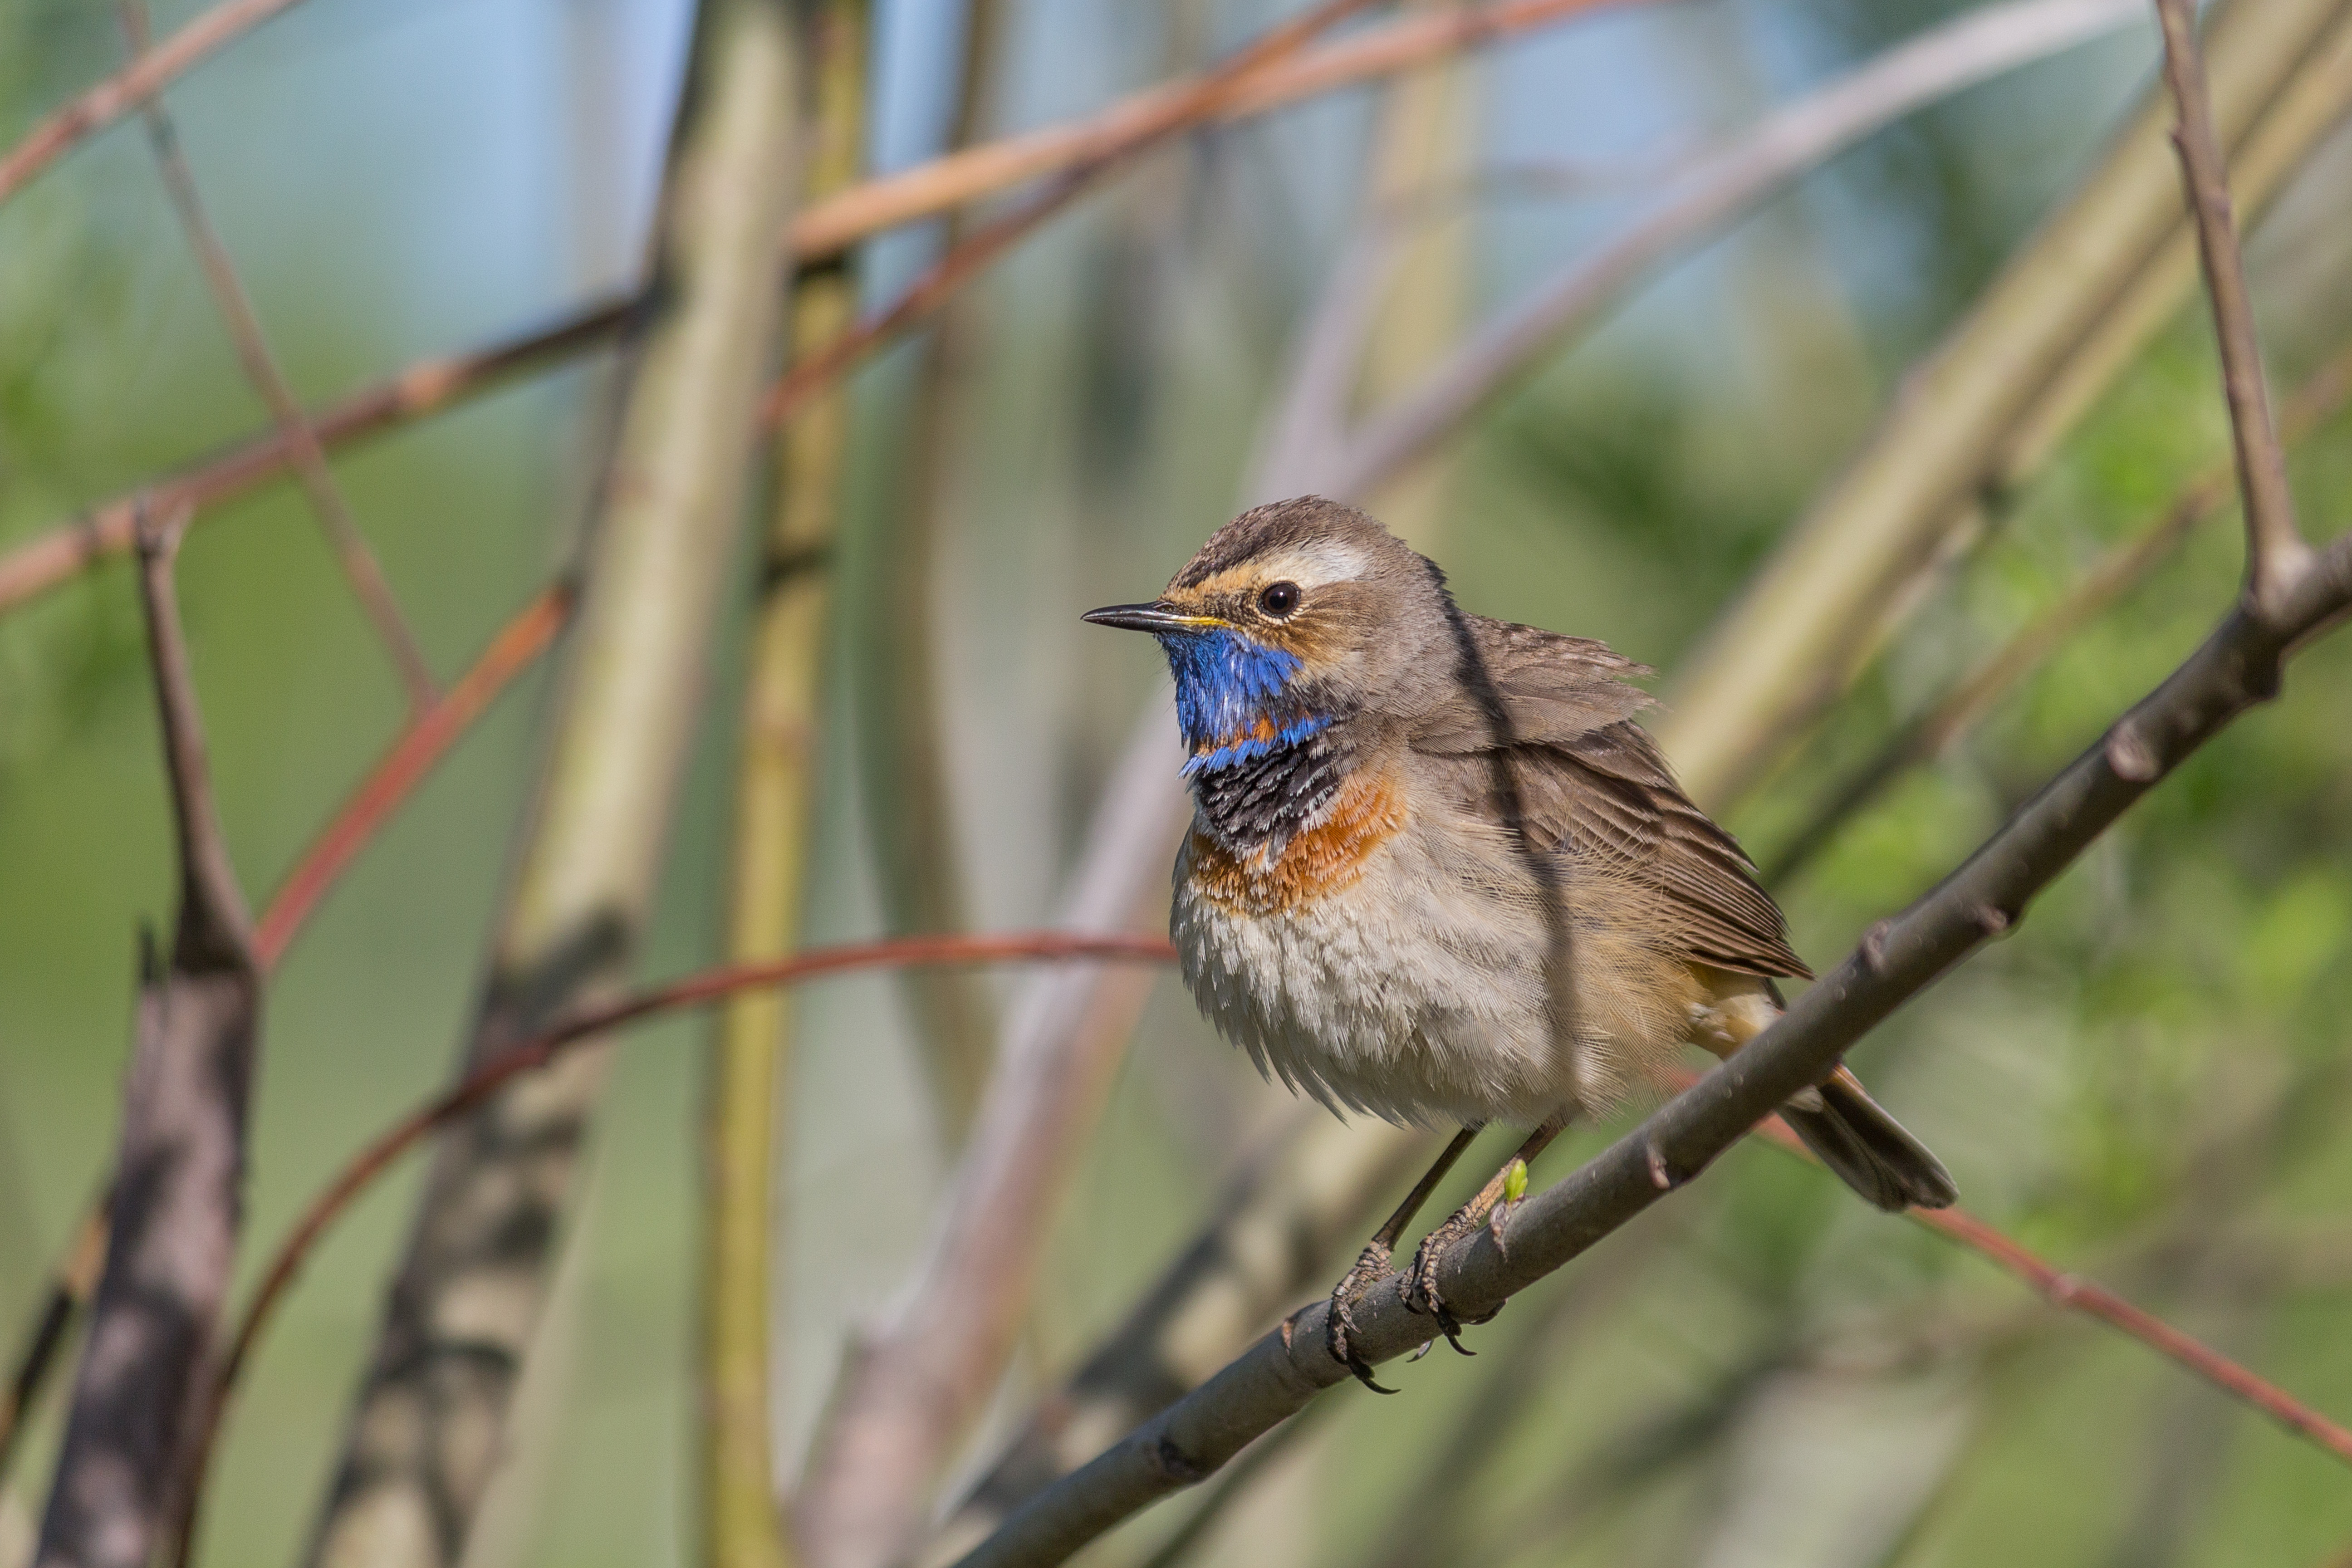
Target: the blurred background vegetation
(2150, 1080)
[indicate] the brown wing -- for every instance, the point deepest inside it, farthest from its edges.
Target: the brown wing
(1592, 782)
(1553, 688)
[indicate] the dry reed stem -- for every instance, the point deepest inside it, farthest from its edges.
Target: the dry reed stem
(1792, 640)
(2121, 569)
(495, 1072)
(746, 1123)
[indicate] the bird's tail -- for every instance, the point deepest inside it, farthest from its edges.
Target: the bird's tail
(1867, 1148)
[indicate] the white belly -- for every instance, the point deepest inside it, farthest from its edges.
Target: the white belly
(1415, 995)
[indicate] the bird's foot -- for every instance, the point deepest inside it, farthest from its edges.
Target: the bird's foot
(1491, 1207)
(1339, 1323)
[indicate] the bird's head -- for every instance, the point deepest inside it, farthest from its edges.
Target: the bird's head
(1293, 617)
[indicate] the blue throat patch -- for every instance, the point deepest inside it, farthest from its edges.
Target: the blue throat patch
(1229, 698)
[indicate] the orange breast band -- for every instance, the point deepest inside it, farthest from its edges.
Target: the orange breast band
(1315, 864)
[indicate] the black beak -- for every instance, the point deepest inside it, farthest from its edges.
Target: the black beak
(1155, 618)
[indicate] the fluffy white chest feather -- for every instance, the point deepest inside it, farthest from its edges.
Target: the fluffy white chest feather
(1380, 963)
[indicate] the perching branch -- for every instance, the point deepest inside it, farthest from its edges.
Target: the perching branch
(360, 566)
(1284, 1219)
(128, 87)
(494, 1072)
(2275, 550)
(2237, 668)
(179, 1172)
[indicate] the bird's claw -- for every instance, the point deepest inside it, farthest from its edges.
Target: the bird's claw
(1339, 1322)
(1422, 1294)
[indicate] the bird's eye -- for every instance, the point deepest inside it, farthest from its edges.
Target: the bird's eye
(1278, 599)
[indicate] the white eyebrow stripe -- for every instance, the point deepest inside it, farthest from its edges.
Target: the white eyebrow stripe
(1332, 561)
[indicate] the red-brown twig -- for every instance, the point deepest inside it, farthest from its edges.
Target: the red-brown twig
(412, 755)
(2276, 555)
(433, 385)
(957, 178)
(490, 1076)
(425, 387)
(127, 89)
(2075, 1294)
(360, 566)
(1180, 110)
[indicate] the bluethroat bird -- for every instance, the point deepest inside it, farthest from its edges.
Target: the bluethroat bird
(1437, 873)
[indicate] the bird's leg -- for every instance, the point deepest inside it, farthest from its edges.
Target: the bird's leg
(1491, 1207)
(1340, 1324)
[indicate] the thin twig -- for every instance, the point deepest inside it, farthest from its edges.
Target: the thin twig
(2060, 321)
(2074, 1293)
(2237, 668)
(427, 387)
(1717, 188)
(433, 385)
(2277, 552)
(2110, 578)
(127, 89)
(1180, 111)
(360, 566)
(495, 1072)
(959, 178)
(896, 678)
(419, 748)
(177, 1206)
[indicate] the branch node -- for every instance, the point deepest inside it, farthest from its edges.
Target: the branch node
(1661, 1176)
(1177, 1465)
(1874, 946)
(2128, 755)
(1992, 920)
